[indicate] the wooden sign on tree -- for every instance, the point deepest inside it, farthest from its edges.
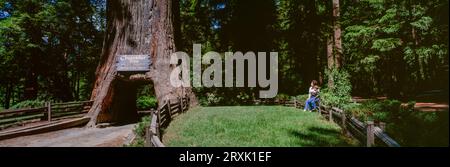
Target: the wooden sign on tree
(133, 63)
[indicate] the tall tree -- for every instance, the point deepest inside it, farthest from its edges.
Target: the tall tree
(337, 34)
(334, 42)
(135, 27)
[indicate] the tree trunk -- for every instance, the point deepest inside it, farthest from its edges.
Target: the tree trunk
(31, 85)
(8, 92)
(337, 35)
(330, 59)
(135, 27)
(334, 43)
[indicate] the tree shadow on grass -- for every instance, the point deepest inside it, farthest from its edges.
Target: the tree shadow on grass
(319, 137)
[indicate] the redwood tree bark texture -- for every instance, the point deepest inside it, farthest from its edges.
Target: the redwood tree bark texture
(334, 42)
(330, 58)
(135, 27)
(337, 34)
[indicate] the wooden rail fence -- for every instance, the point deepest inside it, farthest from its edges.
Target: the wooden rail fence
(369, 133)
(162, 117)
(49, 112)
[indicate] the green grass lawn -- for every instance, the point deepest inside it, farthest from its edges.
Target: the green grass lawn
(260, 126)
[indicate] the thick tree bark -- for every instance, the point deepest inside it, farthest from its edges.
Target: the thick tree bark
(135, 27)
(334, 42)
(337, 35)
(8, 92)
(330, 58)
(31, 85)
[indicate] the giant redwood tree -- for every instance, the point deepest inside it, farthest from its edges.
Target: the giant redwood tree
(135, 27)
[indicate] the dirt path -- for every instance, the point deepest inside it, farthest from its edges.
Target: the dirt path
(76, 137)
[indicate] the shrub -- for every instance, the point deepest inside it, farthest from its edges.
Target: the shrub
(146, 102)
(380, 115)
(140, 127)
(339, 94)
(28, 104)
(202, 101)
(375, 110)
(139, 131)
(282, 97)
(414, 128)
(211, 99)
(358, 110)
(302, 98)
(243, 97)
(404, 124)
(138, 142)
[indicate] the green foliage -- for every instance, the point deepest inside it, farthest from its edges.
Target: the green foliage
(386, 44)
(146, 90)
(404, 124)
(373, 109)
(140, 130)
(146, 102)
(302, 98)
(138, 142)
(339, 93)
(355, 109)
(49, 46)
(211, 99)
(395, 48)
(423, 23)
(243, 96)
(282, 97)
(28, 104)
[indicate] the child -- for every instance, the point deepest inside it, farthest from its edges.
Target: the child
(310, 103)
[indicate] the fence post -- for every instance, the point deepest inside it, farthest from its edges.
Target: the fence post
(148, 136)
(343, 120)
(320, 110)
(181, 105)
(330, 117)
(170, 112)
(370, 134)
(186, 100)
(295, 102)
(157, 128)
(159, 116)
(49, 111)
(382, 126)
